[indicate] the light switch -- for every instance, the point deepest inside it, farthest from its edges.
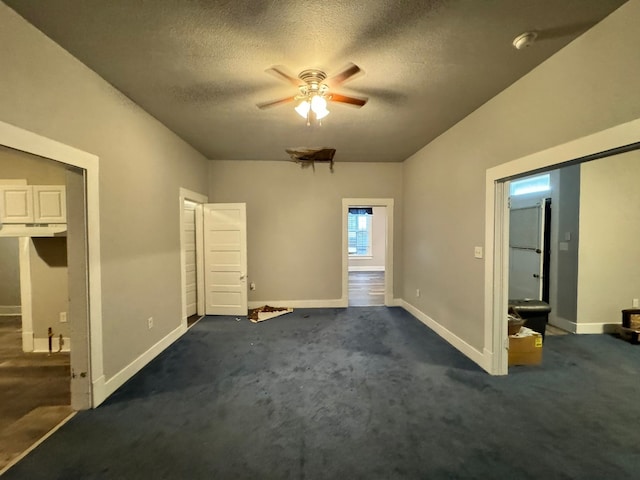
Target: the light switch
(477, 252)
(567, 236)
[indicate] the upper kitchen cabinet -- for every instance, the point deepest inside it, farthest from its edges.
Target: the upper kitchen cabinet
(49, 204)
(26, 204)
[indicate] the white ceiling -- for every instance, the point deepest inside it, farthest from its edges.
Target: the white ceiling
(199, 66)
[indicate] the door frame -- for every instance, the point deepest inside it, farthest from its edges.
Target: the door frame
(623, 137)
(388, 260)
(186, 194)
(29, 142)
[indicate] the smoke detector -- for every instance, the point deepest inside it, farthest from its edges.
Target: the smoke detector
(524, 40)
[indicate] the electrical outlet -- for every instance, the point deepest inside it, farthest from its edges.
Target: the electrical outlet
(417, 292)
(150, 322)
(63, 317)
(477, 252)
(252, 286)
(635, 303)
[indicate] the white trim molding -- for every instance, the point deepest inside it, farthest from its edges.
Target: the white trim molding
(24, 258)
(496, 225)
(596, 328)
(468, 350)
(388, 256)
(41, 344)
(104, 387)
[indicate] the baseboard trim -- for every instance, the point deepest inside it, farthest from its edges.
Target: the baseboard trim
(457, 342)
(102, 388)
(331, 303)
(27, 342)
(487, 364)
(396, 302)
(41, 345)
(583, 328)
(10, 310)
(596, 328)
(362, 268)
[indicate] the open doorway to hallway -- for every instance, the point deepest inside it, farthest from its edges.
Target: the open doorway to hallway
(366, 233)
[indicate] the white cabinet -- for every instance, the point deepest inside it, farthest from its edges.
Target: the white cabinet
(23, 204)
(16, 204)
(49, 204)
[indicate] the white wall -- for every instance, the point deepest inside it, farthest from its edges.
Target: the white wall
(588, 86)
(9, 275)
(45, 90)
(294, 221)
(378, 243)
(35, 170)
(609, 272)
(49, 285)
(564, 246)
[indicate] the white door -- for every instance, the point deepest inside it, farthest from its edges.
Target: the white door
(189, 237)
(225, 244)
(526, 240)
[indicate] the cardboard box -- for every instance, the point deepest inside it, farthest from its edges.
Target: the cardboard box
(525, 348)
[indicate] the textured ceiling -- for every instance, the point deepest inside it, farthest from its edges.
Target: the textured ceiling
(199, 66)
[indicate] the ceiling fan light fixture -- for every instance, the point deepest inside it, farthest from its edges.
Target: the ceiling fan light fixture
(315, 104)
(318, 104)
(303, 108)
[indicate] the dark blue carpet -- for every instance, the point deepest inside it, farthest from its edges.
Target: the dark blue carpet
(357, 393)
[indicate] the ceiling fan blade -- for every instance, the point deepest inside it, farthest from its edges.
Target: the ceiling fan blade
(275, 103)
(278, 72)
(358, 102)
(345, 75)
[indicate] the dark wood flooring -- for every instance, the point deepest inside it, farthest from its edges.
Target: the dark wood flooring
(366, 289)
(34, 392)
(193, 319)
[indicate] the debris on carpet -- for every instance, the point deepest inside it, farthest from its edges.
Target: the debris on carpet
(266, 312)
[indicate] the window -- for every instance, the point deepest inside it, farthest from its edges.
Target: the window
(359, 231)
(539, 183)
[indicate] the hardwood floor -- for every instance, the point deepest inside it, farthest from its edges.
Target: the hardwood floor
(192, 320)
(366, 289)
(34, 392)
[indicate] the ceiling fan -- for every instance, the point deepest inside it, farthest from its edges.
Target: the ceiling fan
(314, 93)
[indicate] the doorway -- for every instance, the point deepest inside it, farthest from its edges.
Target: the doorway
(367, 252)
(45, 339)
(530, 238)
(617, 140)
(191, 257)
(366, 232)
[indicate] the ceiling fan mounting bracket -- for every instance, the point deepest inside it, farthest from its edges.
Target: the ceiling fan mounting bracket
(312, 76)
